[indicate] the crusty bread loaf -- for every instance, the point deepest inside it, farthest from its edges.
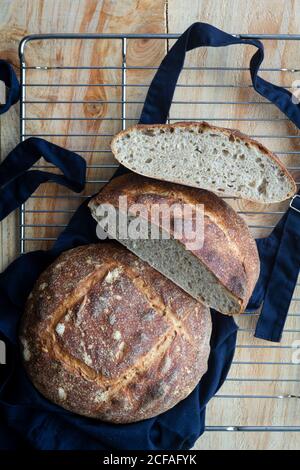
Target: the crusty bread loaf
(104, 335)
(203, 156)
(223, 273)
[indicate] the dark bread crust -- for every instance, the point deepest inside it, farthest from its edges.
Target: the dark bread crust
(203, 125)
(229, 251)
(106, 336)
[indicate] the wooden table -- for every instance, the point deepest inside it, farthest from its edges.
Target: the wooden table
(22, 17)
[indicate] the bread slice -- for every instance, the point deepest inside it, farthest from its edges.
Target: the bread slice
(222, 273)
(203, 156)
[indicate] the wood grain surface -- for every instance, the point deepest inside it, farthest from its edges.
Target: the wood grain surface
(94, 96)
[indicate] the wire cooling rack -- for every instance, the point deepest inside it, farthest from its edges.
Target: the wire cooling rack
(79, 90)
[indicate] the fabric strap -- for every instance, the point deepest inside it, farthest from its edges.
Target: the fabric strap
(159, 97)
(280, 260)
(280, 252)
(17, 184)
(8, 76)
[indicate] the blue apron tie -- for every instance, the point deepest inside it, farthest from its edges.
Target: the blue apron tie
(161, 91)
(8, 76)
(280, 260)
(17, 184)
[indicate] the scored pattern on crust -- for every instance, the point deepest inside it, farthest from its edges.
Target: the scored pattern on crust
(47, 339)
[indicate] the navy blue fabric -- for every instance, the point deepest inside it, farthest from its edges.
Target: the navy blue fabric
(161, 90)
(8, 76)
(17, 184)
(280, 260)
(30, 421)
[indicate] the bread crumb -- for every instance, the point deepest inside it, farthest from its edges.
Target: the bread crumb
(99, 306)
(117, 335)
(60, 329)
(26, 351)
(79, 316)
(113, 275)
(67, 317)
(166, 365)
(149, 315)
(43, 286)
(112, 319)
(101, 397)
(87, 359)
(120, 349)
(61, 393)
(118, 297)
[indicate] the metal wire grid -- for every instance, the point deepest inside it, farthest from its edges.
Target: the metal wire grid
(123, 120)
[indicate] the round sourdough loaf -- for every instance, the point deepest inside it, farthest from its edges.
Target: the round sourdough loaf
(106, 336)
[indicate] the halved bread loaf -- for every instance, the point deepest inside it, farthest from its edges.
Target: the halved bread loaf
(203, 156)
(222, 273)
